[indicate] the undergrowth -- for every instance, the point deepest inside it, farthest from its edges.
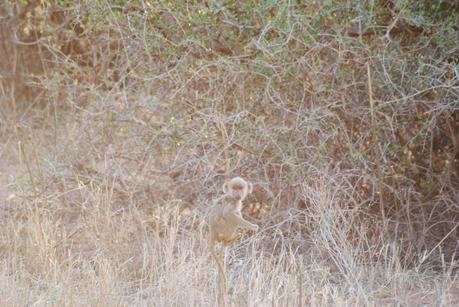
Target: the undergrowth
(120, 121)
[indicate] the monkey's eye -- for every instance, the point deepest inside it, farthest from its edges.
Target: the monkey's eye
(237, 188)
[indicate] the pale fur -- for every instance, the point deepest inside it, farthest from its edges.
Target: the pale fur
(225, 217)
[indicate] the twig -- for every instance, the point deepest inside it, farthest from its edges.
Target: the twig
(438, 244)
(221, 127)
(374, 136)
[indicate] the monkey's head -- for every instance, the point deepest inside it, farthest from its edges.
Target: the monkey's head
(237, 188)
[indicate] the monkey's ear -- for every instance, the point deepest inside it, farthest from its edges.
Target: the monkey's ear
(225, 188)
(249, 187)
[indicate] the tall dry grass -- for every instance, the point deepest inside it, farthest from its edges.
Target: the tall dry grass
(99, 253)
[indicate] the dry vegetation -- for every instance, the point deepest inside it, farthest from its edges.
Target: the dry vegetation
(120, 120)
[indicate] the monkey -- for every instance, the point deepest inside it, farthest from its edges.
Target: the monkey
(225, 217)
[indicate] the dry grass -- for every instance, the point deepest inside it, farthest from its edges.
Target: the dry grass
(101, 252)
(120, 122)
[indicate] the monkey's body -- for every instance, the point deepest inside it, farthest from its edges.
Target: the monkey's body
(224, 219)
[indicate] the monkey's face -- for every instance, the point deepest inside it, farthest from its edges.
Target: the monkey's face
(238, 191)
(237, 188)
